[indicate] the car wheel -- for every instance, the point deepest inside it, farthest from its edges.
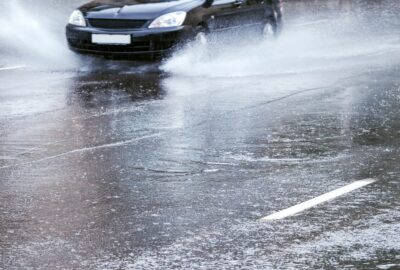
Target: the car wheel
(201, 36)
(268, 31)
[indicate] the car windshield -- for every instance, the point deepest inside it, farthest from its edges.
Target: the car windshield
(130, 2)
(156, 1)
(105, 4)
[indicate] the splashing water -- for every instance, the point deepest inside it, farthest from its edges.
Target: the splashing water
(34, 36)
(335, 43)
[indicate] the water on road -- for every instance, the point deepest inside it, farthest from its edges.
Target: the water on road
(171, 165)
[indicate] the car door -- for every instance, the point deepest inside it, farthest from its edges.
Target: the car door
(234, 14)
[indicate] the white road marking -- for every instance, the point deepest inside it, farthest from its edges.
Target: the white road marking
(11, 68)
(318, 200)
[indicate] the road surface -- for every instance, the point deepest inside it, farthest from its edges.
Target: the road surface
(172, 165)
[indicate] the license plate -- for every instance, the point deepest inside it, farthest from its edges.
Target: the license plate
(111, 39)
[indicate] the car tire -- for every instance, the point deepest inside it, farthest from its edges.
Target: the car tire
(201, 35)
(268, 32)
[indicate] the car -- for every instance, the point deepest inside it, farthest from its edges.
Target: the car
(155, 27)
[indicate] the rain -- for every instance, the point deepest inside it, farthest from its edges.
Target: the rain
(184, 161)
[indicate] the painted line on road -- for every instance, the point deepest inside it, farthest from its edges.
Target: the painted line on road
(12, 68)
(318, 200)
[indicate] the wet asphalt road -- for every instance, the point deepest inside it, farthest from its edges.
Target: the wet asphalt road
(118, 165)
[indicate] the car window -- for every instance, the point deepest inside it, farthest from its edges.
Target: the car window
(156, 1)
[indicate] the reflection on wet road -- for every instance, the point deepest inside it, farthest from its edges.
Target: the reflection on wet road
(118, 165)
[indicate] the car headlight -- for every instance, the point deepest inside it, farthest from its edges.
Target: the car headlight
(169, 20)
(77, 18)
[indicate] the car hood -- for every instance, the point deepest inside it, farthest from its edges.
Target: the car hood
(134, 9)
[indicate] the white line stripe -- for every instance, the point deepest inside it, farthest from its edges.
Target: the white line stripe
(12, 68)
(318, 200)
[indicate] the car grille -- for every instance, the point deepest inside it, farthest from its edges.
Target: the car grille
(117, 23)
(82, 41)
(136, 46)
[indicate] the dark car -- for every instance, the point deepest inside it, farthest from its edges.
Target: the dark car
(136, 27)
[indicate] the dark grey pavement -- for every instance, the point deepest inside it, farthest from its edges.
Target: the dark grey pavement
(133, 165)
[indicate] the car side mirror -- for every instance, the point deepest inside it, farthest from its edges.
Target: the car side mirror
(208, 3)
